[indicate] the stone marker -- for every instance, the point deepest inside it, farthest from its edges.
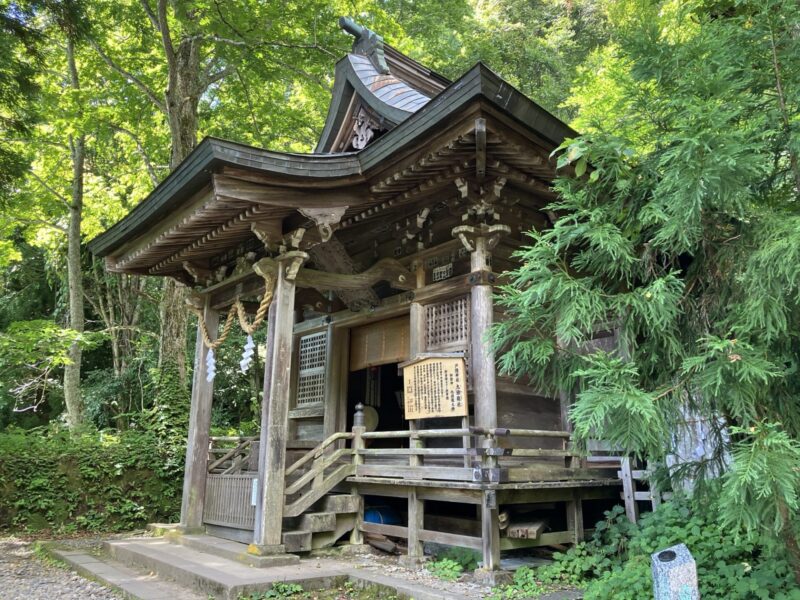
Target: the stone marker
(674, 574)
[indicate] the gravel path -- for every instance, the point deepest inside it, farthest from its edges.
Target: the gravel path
(24, 576)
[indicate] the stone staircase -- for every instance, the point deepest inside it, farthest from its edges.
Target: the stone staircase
(201, 567)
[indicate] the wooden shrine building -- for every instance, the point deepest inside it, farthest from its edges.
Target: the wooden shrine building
(377, 255)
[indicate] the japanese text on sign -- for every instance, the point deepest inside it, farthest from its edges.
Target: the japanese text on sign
(435, 387)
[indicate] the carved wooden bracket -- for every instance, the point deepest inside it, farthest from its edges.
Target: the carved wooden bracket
(326, 219)
(199, 274)
(492, 233)
(268, 232)
(482, 198)
(291, 261)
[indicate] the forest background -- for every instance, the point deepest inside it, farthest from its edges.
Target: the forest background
(682, 227)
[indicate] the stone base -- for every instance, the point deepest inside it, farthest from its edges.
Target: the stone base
(160, 529)
(493, 578)
(267, 550)
(343, 550)
(411, 562)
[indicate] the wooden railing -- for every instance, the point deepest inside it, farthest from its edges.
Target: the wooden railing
(327, 466)
(481, 456)
(228, 455)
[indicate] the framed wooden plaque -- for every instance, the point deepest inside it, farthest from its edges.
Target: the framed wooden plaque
(435, 385)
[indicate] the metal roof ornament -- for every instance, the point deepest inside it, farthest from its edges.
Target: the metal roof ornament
(367, 42)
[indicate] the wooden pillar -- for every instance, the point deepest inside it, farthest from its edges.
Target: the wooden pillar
(575, 517)
(416, 507)
(416, 317)
(194, 478)
(357, 536)
(416, 520)
(490, 511)
(482, 360)
(490, 531)
(275, 408)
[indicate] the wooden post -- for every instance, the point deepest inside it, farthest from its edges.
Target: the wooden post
(416, 520)
(416, 507)
(629, 490)
(490, 513)
(194, 478)
(482, 356)
(575, 517)
(275, 408)
(416, 318)
(356, 536)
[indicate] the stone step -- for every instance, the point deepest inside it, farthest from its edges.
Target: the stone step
(230, 549)
(131, 584)
(317, 521)
(210, 574)
(325, 539)
(341, 503)
(297, 541)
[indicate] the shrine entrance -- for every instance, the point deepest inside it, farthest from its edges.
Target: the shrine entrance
(374, 379)
(380, 390)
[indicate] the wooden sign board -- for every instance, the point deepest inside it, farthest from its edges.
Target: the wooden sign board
(435, 386)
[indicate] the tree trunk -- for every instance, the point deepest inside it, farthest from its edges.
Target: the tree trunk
(790, 540)
(72, 371)
(182, 99)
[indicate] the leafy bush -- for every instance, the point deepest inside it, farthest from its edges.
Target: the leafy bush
(615, 563)
(446, 569)
(466, 557)
(95, 481)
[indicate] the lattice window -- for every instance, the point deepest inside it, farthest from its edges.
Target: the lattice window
(447, 324)
(447, 329)
(311, 371)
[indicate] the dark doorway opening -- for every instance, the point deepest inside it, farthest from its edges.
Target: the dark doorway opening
(380, 390)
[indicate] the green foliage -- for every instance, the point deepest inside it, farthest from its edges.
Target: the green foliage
(95, 481)
(445, 568)
(169, 414)
(466, 557)
(32, 355)
(615, 563)
(677, 226)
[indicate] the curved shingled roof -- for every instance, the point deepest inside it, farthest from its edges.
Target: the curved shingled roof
(387, 88)
(374, 75)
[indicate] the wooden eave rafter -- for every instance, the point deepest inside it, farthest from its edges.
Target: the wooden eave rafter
(238, 227)
(480, 155)
(189, 228)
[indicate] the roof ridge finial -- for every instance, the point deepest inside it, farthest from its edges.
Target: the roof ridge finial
(367, 43)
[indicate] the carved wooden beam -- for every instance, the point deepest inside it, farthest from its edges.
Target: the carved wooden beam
(388, 270)
(332, 257)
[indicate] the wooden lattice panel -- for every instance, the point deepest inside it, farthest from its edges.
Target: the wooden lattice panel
(447, 324)
(311, 371)
(229, 501)
(447, 328)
